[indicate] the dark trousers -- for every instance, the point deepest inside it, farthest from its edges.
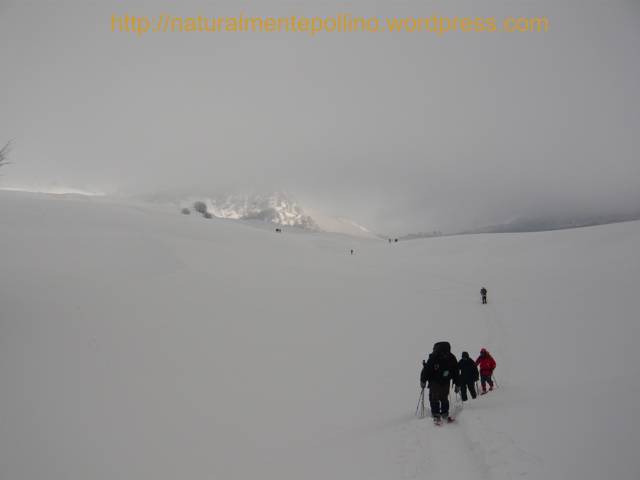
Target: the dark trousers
(484, 379)
(472, 390)
(439, 399)
(484, 299)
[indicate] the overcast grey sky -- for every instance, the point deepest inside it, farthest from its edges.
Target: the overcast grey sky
(401, 132)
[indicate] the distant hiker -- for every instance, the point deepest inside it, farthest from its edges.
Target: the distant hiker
(487, 365)
(278, 230)
(468, 376)
(352, 251)
(483, 294)
(439, 371)
(396, 240)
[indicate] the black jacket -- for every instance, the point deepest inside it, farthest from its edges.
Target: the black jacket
(440, 369)
(468, 371)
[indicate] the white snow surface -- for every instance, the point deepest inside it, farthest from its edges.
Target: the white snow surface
(141, 344)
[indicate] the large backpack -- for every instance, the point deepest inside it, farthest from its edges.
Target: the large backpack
(441, 348)
(441, 364)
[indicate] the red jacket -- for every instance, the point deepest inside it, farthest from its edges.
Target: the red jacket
(486, 364)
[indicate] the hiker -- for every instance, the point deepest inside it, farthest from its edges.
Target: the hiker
(487, 364)
(352, 251)
(483, 294)
(438, 372)
(468, 376)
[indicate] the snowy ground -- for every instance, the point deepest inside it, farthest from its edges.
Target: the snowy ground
(142, 344)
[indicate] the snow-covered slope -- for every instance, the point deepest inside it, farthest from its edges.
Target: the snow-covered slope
(341, 225)
(140, 344)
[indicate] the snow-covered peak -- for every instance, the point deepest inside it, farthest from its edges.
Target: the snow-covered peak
(277, 208)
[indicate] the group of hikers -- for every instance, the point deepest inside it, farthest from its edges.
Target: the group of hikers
(442, 369)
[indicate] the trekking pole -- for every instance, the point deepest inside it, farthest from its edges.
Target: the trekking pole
(459, 402)
(420, 401)
(495, 381)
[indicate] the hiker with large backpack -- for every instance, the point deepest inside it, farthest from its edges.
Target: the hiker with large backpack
(438, 372)
(487, 365)
(468, 376)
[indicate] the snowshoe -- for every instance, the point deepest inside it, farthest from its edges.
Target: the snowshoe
(450, 419)
(437, 421)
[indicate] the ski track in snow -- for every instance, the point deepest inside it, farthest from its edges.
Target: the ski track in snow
(501, 456)
(435, 452)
